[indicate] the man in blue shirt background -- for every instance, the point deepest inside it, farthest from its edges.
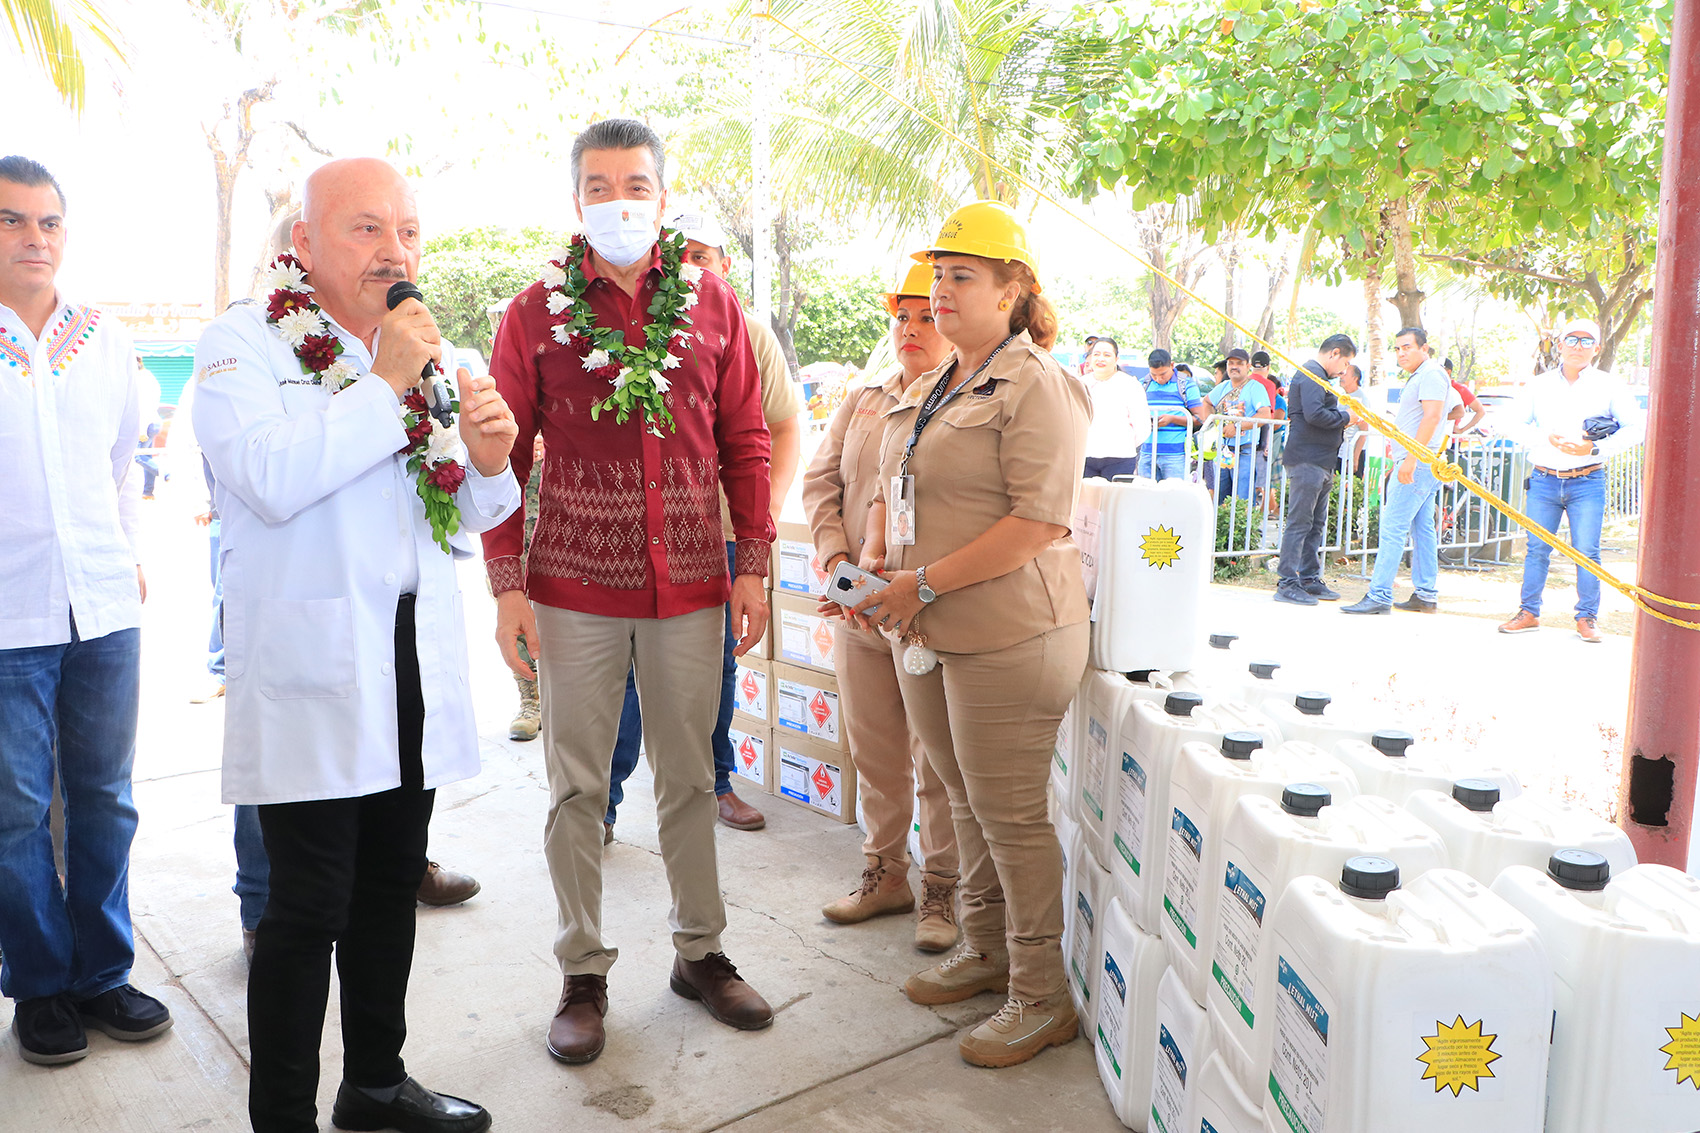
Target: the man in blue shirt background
(1175, 406)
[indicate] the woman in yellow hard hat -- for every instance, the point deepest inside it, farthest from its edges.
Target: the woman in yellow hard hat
(838, 490)
(979, 471)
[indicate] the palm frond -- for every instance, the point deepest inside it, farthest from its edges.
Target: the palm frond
(57, 33)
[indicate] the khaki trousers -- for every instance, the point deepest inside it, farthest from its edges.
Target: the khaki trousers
(989, 721)
(582, 681)
(889, 758)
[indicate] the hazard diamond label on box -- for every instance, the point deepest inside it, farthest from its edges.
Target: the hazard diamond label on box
(750, 688)
(823, 780)
(799, 569)
(807, 709)
(751, 752)
(811, 781)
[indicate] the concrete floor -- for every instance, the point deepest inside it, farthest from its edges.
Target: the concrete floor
(847, 1051)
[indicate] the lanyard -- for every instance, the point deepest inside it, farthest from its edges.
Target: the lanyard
(938, 399)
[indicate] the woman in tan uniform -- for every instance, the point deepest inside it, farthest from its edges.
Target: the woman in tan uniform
(838, 492)
(979, 474)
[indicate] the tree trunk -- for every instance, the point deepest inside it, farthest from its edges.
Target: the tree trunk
(1231, 270)
(1277, 280)
(1408, 299)
(791, 295)
(227, 166)
(1373, 344)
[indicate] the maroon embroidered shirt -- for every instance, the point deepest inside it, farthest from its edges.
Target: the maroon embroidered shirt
(628, 523)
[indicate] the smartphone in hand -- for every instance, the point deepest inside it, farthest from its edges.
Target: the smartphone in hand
(850, 584)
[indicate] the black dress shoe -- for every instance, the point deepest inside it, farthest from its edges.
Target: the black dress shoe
(49, 1031)
(126, 1014)
(1367, 605)
(1417, 605)
(414, 1110)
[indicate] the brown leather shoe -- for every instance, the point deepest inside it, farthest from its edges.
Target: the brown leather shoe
(446, 887)
(249, 938)
(576, 1034)
(738, 814)
(1522, 623)
(1588, 631)
(607, 833)
(715, 982)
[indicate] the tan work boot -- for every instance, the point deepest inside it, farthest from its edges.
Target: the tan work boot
(884, 890)
(1019, 1031)
(936, 931)
(529, 719)
(963, 975)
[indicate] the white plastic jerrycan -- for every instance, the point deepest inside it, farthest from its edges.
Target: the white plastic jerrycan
(1218, 1103)
(1124, 1036)
(1261, 681)
(1151, 741)
(1392, 764)
(1220, 663)
(1626, 957)
(1314, 718)
(1065, 755)
(1207, 782)
(1484, 835)
(1103, 700)
(1084, 903)
(1425, 1009)
(1265, 846)
(1180, 1038)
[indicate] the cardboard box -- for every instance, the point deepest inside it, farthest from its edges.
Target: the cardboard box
(815, 776)
(752, 753)
(796, 568)
(803, 637)
(752, 690)
(806, 705)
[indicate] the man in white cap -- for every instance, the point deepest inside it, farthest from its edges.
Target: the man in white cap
(705, 246)
(1572, 420)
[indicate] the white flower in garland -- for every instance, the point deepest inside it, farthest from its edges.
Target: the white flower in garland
(672, 362)
(558, 302)
(562, 332)
(339, 374)
(553, 276)
(662, 384)
(683, 334)
(287, 277)
(596, 359)
(620, 380)
(300, 325)
(690, 273)
(690, 300)
(444, 444)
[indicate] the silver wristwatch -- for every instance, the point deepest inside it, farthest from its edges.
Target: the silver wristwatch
(927, 593)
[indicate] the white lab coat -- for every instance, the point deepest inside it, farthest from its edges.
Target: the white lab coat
(322, 530)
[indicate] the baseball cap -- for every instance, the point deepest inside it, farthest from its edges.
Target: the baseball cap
(1579, 326)
(1094, 336)
(699, 225)
(1261, 358)
(1236, 352)
(1158, 357)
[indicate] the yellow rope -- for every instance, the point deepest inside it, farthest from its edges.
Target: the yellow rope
(1443, 470)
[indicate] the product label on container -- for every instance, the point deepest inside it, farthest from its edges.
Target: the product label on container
(749, 755)
(1080, 961)
(1682, 1052)
(1180, 888)
(1112, 1012)
(1458, 1056)
(1168, 1083)
(813, 711)
(1204, 1126)
(1235, 963)
(810, 781)
(1298, 1076)
(1097, 747)
(1061, 751)
(1130, 822)
(750, 689)
(799, 569)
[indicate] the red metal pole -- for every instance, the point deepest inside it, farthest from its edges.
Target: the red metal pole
(1661, 748)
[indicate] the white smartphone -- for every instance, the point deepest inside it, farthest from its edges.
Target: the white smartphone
(850, 584)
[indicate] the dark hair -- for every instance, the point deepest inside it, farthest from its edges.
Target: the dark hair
(1159, 357)
(22, 171)
(619, 133)
(1356, 373)
(1114, 345)
(1221, 366)
(1182, 367)
(1032, 312)
(1339, 342)
(1447, 365)
(1417, 333)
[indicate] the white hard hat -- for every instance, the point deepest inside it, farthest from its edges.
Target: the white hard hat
(699, 225)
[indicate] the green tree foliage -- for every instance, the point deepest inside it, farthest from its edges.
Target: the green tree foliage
(463, 273)
(842, 317)
(58, 33)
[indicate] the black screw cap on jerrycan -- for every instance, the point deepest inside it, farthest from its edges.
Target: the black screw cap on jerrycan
(1370, 878)
(1312, 703)
(1182, 702)
(1305, 799)
(1478, 795)
(1240, 745)
(1264, 670)
(1583, 870)
(1392, 742)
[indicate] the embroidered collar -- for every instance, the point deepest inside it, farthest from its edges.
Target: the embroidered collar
(65, 337)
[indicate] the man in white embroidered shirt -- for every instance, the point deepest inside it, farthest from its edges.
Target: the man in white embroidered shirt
(70, 641)
(1566, 419)
(342, 622)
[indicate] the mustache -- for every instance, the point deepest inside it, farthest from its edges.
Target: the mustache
(392, 275)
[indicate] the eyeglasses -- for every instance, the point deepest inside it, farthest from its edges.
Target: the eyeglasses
(1579, 340)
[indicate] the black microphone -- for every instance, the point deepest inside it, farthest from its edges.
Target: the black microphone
(442, 402)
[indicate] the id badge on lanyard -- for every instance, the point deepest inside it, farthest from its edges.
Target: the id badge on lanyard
(900, 512)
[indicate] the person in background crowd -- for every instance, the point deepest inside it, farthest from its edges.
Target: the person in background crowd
(1238, 397)
(1572, 420)
(982, 463)
(1408, 506)
(1268, 437)
(1175, 408)
(1121, 419)
(1351, 461)
(1469, 404)
(1316, 428)
(838, 492)
(70, 642)
(608, 592)
(152, 432)
(705, 247)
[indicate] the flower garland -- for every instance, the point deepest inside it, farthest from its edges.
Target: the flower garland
(433, 451)
(638, 373)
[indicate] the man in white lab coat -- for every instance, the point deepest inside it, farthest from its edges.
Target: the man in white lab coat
(342, 623)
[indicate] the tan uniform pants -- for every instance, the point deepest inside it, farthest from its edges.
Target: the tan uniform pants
(989, 721)
(889, 758)
(582, 681)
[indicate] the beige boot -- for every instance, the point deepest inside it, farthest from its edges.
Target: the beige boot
(1020, 1031)
(529, 719)
(936, 931)
(884, 889)
(964, 974)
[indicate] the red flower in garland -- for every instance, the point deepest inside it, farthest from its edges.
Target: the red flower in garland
(281, 303)
(317, 353)
(579, 344)
(448, 476)
(607, 373)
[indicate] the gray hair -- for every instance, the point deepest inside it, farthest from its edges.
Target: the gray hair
(620, 133)
(22, 171)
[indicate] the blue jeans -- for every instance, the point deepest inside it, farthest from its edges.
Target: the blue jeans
(215, 639)
(630, 736)
(1408, 509)
(253, 867)
(1236, 481)
(1163, 465)
(1109, 467)
(1583, 499)
(79, 698)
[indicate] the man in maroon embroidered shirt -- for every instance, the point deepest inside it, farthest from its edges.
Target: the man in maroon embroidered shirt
(627, 565)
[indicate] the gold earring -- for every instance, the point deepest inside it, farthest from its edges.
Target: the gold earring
(1004, 306)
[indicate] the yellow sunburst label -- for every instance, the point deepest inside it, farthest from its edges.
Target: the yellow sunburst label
(1458, 1056)
(1160, 547)
(1684, 1050)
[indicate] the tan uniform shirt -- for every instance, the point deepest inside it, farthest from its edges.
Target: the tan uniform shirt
(838, 488)
(780, 399)
(1013, 444)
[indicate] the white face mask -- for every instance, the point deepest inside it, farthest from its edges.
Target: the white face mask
(620, 231)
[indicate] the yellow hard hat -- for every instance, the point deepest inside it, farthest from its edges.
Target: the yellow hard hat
(917, 283)
(984, 228)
